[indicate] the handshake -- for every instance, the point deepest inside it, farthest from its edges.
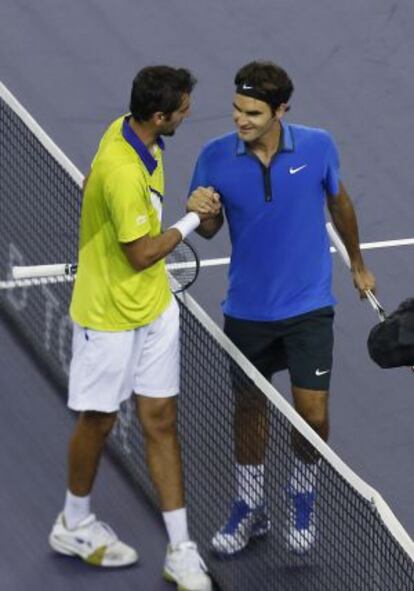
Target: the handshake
(205, 202)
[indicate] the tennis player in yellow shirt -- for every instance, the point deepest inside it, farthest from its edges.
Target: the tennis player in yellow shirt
(126, 326)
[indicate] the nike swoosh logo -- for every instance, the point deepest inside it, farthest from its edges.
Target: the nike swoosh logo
(247, 87)
(318, 372)
(295, 170)
(81, 541)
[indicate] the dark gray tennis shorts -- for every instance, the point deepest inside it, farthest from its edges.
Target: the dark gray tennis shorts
(302, 344)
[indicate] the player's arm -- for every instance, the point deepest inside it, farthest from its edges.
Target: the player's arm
(205, 201)
(345, 221)
(146, 250)
(126, 198)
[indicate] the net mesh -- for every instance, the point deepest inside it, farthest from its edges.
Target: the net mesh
(354, 549)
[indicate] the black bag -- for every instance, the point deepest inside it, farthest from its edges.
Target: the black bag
(391, 342)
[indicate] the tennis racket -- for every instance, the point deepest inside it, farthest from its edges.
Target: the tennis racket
(340, 247)
(183, 265)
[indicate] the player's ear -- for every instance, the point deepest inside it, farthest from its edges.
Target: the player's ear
(282, 109)
(159, 118)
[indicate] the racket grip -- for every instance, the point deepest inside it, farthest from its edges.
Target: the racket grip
(40, 271)
(339, 245)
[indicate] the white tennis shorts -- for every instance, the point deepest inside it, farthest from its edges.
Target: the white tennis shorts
(107, 367)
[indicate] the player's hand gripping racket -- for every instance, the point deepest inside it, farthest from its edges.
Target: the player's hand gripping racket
(340, 247)
(183, 266)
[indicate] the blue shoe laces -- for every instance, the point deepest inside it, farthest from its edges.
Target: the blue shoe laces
(240, 511)
(303, 503)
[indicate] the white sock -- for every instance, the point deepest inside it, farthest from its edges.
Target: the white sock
(250, 483)
(76, 509)
(303, 477)
(176, 524)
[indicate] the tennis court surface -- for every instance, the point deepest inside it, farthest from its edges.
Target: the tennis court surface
(372, 410)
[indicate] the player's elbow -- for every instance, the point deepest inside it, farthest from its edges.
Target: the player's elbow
(140, 262)
(209, 228)
(205, 234)
(139, 254)
(138, 266)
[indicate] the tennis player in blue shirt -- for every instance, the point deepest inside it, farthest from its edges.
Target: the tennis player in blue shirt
(274, 180)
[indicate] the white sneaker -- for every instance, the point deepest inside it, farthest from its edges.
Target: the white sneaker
(184, 566)
(93, 541)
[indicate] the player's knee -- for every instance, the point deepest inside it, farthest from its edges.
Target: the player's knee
(317, 419)
(159, 421)
(99, 422)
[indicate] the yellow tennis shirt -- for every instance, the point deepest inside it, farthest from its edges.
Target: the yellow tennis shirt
(122, 201)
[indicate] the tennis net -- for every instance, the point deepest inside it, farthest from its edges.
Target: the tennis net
(359, 543)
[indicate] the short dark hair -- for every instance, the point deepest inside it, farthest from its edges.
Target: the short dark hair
(159, 88)
(268, 78)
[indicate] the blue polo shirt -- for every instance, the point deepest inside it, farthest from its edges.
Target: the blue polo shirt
(280, 265)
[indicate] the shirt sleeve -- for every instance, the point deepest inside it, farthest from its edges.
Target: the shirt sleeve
(127, 200)
(200, 174)
(332, 169)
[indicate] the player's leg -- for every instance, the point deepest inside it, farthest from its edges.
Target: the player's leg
(309, 347)
(97, 385)
(158, 418)
(85, 449)
(313, 407)
(250, 424)
(156, 383)
(247, 518)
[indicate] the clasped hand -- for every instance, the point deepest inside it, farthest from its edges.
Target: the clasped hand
(205, 202)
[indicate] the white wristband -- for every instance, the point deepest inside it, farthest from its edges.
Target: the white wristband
(187, 224)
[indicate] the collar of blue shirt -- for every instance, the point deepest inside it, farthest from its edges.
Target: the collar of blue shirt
(287, 143)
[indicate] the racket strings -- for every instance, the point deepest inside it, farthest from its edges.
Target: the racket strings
(183, 265)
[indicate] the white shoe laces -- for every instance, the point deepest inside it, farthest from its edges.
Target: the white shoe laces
(101, 534)
(187, 558)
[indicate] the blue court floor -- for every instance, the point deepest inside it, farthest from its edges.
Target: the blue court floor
(71, 65)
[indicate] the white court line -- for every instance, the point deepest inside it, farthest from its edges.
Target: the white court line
(388, 243)
(214, 262)
(366, 246)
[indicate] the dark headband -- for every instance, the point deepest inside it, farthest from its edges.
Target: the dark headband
(272, 98)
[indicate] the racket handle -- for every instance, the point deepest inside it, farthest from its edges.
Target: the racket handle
(42, 271)
(339, 245)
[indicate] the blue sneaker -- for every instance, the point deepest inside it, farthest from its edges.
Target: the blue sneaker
(243, 524)
(301, 530)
